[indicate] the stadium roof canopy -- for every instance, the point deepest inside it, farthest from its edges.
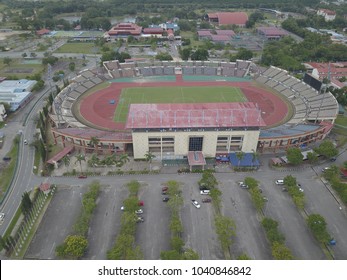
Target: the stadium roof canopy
(226, 18)
(87, 133)
(198, 115)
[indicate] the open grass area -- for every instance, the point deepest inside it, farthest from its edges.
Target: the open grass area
(7, 173)
(341, 120)
(81, 47)
(18, 69)
(175, 95)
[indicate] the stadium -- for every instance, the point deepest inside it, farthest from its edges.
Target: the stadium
(189, 110)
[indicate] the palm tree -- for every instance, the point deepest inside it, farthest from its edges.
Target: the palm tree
(93, 161)
(240, 155)
(124, 158)
(149, 156)
(94, 141)
(255, 156)
(80, 158)
(66, 161)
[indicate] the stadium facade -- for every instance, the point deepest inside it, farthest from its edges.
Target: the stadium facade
(172, 131)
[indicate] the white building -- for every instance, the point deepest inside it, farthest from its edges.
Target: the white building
(2, 113)
(327, 14)
(16, 92)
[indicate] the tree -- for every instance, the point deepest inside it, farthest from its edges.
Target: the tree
(243, 257)
(26, 203)
(94, 141)
(327, 149)
(177, 244)
(190, 254)
(251, 182)
(312, 157)
(317, 225)
(124, 158)
(200, 54)
(244, 54)
(294, 155)
(149, 156)
(133, 187)
(185, 53)
(72, 66)
(208, 180)
(93, 161)
(79, 159)
(163, 57)
(7, 60)
(66, 160)
(240, 155)
(170, 255)
(225, 229)
(281, 252)
(257, 198)
(76, 246)
(255, 157)
(289, 181)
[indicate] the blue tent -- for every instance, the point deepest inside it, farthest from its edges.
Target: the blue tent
(247, 160)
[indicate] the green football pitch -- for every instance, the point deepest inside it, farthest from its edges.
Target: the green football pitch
(146, 95)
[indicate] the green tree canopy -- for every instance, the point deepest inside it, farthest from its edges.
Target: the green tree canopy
(294, 156)
(318, 225)
(26, 203)
(75, 246)
(327, 149)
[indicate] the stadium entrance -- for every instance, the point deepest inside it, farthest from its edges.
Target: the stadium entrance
(195, 144)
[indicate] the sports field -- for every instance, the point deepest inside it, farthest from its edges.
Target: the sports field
(175, 95)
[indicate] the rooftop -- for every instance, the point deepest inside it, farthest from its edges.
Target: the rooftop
(226, 18)
(198, 115)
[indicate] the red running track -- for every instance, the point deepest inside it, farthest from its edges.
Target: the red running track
(95, 108)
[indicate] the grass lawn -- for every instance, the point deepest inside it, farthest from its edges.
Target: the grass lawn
(6, 175)
(341, 120)
(82, 47)
(16, 67)
(175, 95)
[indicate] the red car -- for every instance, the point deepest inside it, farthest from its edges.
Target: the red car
(82, 176)
(141, 203)
(165, 189)
(207, 200)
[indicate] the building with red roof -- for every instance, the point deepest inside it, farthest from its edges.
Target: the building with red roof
(272, 33)
(153, 31)
(327, 14)
(217, 36)
(228, 18)
(207, 127)
(170, 34)
(334, 70)
(125, 29)
(42, 32)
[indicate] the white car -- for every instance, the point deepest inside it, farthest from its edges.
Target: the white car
(195, 203)
(25, 142)
(279, 182)
(140, 211)
(243, 185)
(2, 216)
(325, 169)
(205, 192)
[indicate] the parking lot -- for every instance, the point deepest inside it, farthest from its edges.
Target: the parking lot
(153, 235)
